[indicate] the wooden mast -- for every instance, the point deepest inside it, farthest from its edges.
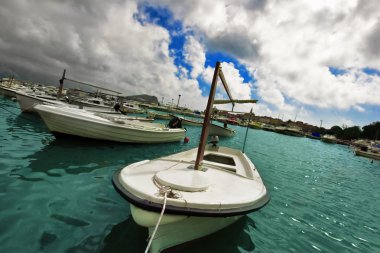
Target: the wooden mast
(204, 134)
(202, 144)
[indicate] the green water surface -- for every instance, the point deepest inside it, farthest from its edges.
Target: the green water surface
(56, 195)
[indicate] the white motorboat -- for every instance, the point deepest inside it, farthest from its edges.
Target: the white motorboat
(157, 115)
(214, 129)
(221, 130)
(191, 194)
(293, 131)
(131, 108)
(368, 149)
(82, 123)
(10, 90)
(96, 102)
(368, 153)
(7, 91)
(328, 138)
(27, 101)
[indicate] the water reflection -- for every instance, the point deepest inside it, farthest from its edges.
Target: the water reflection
(130, 237)
(77, 156)
(126, 236)
(28, 121)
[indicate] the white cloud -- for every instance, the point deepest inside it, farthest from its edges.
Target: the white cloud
(97, 42)
(195, 56)
(292, 44)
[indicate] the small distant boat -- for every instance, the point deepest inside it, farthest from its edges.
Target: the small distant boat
(81, 123)
(189, 122)
(213, 128)
(369, 152)
(314, 135)
(268, 127)
(131, 108)
(91, 102)
(157, 115)
(7, 91)
(191, 194)
(255, 125)
(292, 131)
(328, 138)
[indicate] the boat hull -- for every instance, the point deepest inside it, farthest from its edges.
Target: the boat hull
(82, 127)
(9, 92)
(327, 140)
(27, 102)
(220, 131)
(213, 128)
(178, 229)
(188, 122)
(159, 115)
(367, 154)
(293, 133)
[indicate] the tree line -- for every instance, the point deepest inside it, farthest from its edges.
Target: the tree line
(371, 132)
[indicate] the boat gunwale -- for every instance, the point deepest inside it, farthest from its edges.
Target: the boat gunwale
(188, 211)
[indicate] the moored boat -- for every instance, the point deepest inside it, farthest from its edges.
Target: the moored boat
(328, 138)
(255, 125)
(81, 123)
(131, 108)
(28, 101)
(369, 154)
(7, 91)
(96, 102)
(191, 194)
(214, 129)
(292, 131)
(157, 115)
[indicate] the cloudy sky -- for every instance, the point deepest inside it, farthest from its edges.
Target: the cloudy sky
(309, 60)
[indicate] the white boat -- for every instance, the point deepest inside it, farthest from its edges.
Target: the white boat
(328, 138)
(156, 115)
(221, 131)
(27, 101)
(131, 108)
(10, 90)
(7, 91)
(293, 131)
(368, 153)
(213, 128)
(191, 194)
(82, 123)
(91, 102)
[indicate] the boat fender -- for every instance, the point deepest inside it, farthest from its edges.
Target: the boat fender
(186, 140)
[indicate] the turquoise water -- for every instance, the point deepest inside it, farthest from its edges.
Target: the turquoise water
(56, 195)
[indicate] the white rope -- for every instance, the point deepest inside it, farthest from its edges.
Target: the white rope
(158, 223)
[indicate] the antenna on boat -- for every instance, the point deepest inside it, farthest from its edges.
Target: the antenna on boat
(202, 144)
(246, 132)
